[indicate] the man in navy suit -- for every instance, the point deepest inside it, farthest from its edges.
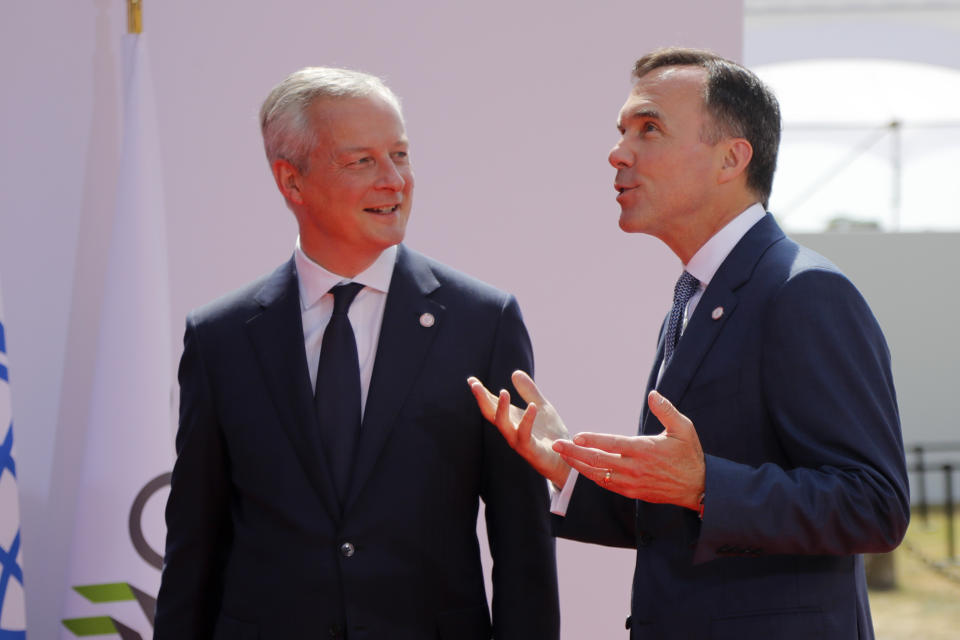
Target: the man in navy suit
(769, 454)
(288, 519)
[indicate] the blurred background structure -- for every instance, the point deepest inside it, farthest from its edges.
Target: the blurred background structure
(870, 94)
(870, 91)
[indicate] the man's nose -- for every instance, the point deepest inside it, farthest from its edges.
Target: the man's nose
(619, 157)
(391, 177)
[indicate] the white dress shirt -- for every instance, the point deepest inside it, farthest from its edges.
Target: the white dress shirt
(365, 314)
(702, 266)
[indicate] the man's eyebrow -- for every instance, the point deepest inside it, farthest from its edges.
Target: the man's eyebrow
(642, 113)
(401, 142)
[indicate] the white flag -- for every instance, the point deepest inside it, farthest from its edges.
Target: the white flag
(119, 533)
(13, 619)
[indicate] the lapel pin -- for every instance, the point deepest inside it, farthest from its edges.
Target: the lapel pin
(427, 320)
(717, 313)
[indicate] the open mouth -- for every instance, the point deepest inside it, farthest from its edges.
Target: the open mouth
(382, 210)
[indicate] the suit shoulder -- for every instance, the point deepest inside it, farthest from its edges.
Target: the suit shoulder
(792, 280)
(245, 300)
(787, 265)
(456, 282)
(794, 258)
(807, 281)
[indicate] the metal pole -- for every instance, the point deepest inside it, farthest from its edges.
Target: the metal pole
(922, 486)
(948, 511)
(896, 165)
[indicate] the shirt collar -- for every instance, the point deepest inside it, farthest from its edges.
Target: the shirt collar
(314, 281)
(705, 262)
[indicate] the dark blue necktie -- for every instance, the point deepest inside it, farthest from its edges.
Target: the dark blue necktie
(682, 292)
(338, 389)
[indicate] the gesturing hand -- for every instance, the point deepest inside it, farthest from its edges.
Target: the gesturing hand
(530, 432)
(665, 468)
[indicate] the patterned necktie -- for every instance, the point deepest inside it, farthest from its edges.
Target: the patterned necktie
(686, 285)
(338, 389)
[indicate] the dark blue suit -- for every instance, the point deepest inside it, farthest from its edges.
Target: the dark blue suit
(256, 544)
(790, 391)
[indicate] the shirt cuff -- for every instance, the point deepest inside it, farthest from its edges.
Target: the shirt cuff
(560, 500)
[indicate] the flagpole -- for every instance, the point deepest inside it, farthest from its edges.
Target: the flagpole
(134, 16)
(117, 544)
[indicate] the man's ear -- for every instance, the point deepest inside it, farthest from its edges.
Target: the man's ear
(737, 155)
(288, 180)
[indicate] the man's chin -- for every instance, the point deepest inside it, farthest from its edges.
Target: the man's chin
(630, 222)
(391, 238)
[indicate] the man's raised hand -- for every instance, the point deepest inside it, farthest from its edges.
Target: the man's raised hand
(666, 468)
(531, 432)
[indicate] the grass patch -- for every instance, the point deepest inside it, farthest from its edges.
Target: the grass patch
(926, 603)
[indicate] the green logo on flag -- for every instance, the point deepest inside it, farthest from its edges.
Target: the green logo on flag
(101, 625)
(123, 591)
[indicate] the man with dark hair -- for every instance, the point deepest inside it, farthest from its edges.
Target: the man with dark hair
(769, 454)
(330, 462)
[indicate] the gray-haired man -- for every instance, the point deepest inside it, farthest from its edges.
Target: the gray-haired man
(330, 466)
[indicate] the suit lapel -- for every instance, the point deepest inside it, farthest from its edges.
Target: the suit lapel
(703, 328)
(277, 336)
(701, 332)
(401, 349)
(652, 378)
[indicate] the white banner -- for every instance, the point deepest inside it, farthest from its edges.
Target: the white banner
(13, 620)
(119, 533)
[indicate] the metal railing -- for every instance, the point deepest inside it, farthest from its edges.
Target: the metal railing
(921, 466)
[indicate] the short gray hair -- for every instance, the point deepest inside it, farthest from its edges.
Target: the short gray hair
(288, 133)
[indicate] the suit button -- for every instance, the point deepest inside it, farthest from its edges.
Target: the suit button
(347, 549)
(628, 622)
(645, 539)
(336, 631)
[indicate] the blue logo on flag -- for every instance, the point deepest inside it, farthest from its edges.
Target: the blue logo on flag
(12, 623)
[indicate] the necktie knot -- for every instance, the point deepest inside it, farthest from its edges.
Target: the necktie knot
(343, 295)
(683, 290)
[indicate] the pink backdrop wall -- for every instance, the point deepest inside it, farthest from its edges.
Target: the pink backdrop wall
(510, 108)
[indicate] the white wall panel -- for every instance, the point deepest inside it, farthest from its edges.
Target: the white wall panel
(510, 108)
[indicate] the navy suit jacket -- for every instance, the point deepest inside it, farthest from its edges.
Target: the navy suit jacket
(786, 376)
(256, 544)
